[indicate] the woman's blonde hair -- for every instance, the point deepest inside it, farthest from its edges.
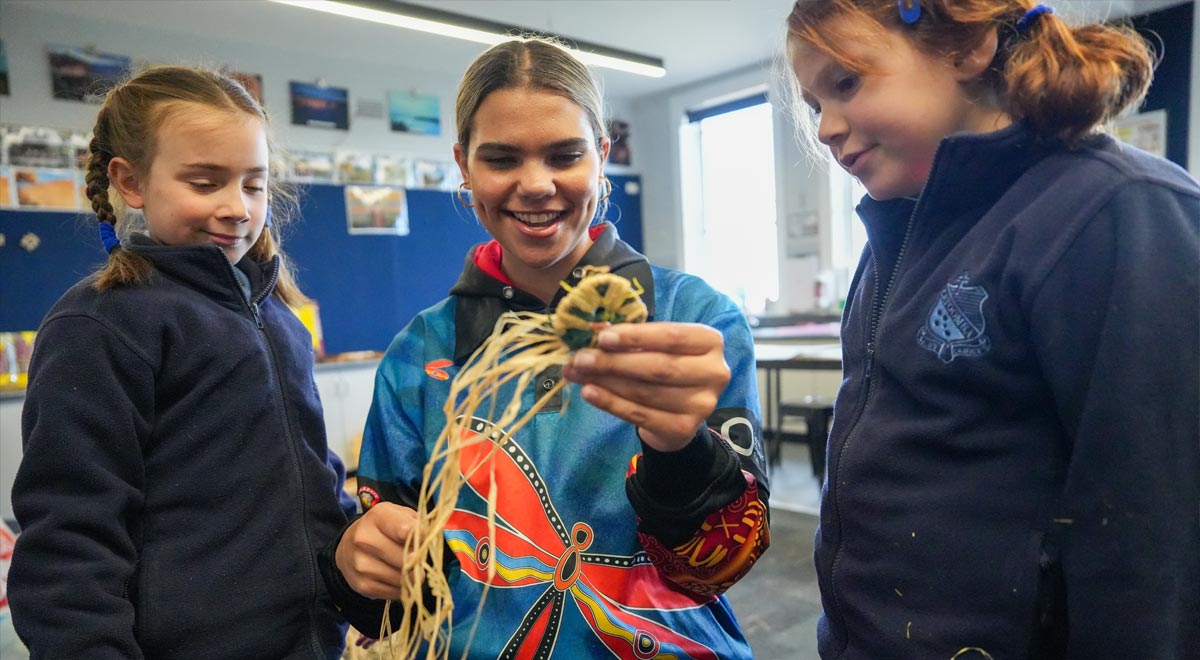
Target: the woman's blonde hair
(1065, 81)
(127, 127)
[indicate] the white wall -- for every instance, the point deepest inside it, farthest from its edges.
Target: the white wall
(27, 29)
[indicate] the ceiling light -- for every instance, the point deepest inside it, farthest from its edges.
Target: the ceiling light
(435, 21)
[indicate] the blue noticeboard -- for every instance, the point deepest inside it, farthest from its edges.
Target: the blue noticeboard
(368, 286)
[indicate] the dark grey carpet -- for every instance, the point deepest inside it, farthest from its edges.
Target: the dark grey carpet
(777, 602)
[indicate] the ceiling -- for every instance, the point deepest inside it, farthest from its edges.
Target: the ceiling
(696, 39)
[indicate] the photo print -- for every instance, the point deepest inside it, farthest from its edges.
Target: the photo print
(414, 113)
(82, 74)
(319, 106)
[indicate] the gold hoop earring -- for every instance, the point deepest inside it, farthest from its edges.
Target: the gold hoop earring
(608, 188)
(461, 200)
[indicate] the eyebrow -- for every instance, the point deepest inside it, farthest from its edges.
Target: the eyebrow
(824, 75)
(569, 143)
(212, 167)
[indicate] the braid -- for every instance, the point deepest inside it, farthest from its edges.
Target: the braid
(97, 181)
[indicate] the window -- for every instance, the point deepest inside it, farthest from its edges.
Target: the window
(728, 169)
(849, 236)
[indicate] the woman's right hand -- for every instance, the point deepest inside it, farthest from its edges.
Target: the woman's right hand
(371, 553)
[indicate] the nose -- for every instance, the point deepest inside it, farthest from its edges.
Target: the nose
(832, 130)
(233, 206)
(536, 180)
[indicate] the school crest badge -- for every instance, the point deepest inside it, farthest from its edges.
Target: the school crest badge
(956, 325)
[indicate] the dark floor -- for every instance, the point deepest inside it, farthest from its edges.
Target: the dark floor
(777, 602)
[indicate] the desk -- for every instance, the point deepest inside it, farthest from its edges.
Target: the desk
(774, 358)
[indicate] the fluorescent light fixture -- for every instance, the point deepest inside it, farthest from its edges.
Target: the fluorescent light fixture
(435, 21)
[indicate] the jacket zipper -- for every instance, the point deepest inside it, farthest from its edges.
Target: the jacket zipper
(253, 304)
(881, 300)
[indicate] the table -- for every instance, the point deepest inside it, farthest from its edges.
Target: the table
(774, 358)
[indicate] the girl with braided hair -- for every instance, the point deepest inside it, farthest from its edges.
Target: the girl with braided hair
(176, 485)
(1014, 469)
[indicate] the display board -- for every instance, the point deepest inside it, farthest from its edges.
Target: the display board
(368, 286)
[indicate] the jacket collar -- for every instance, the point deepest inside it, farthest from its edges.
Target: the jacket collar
(484, 293)
(969, 171)
(207, 269)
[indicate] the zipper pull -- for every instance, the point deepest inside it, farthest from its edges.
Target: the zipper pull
(870, 358)
(257, 316)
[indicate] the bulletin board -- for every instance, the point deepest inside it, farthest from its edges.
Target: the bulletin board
(368, 286)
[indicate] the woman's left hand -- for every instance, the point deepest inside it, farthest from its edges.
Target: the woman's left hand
(664, 378)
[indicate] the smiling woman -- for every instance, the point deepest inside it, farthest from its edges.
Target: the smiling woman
(611, 537)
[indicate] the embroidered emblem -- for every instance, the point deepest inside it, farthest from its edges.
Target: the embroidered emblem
(436, 369)
(956, 325)
(367, 497)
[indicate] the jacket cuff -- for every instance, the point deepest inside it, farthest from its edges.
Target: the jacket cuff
(673, 492)
(365, 614)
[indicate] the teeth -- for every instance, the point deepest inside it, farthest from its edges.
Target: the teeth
(535, 218)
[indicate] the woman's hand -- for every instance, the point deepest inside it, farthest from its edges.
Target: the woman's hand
(371, 552)
(664, 378)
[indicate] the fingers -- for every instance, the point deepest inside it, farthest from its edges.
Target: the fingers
(672, 338)
(371, 553)
(665, 378)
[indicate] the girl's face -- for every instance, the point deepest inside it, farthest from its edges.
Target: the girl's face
(207, 182)
(533, 169)
(883, 125)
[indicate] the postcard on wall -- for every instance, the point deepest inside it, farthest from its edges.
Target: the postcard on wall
(82, 74)
(619, 153)
(436, 175)
(3, 70)
(309, 166)
(376, 210)
(7, 198)
(48, 188)
(1146, 131)
(251, 81)
(355, 167)
(320, 106)
(414, 113)
(36, 146)
(393, 171)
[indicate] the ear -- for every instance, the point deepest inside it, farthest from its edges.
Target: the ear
(974, 62)
(605, 146)
(460, 157)
(124, 177)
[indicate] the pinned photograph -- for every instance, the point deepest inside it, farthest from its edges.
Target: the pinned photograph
(39, 147)
(376, 210)
(306, 166)
(414, 113)
(319, 106)
(619, 153)
(436, 175)
(48, 188)
(355, 167)
(6, 192)
(393, 171)
(82, 74)
(1146, 131)
(3, 70)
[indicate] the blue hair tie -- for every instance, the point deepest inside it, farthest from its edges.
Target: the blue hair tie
(108, 234)
(910, 10)
(1031, 16)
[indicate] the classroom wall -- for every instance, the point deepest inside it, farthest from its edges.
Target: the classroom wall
(27, 28)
